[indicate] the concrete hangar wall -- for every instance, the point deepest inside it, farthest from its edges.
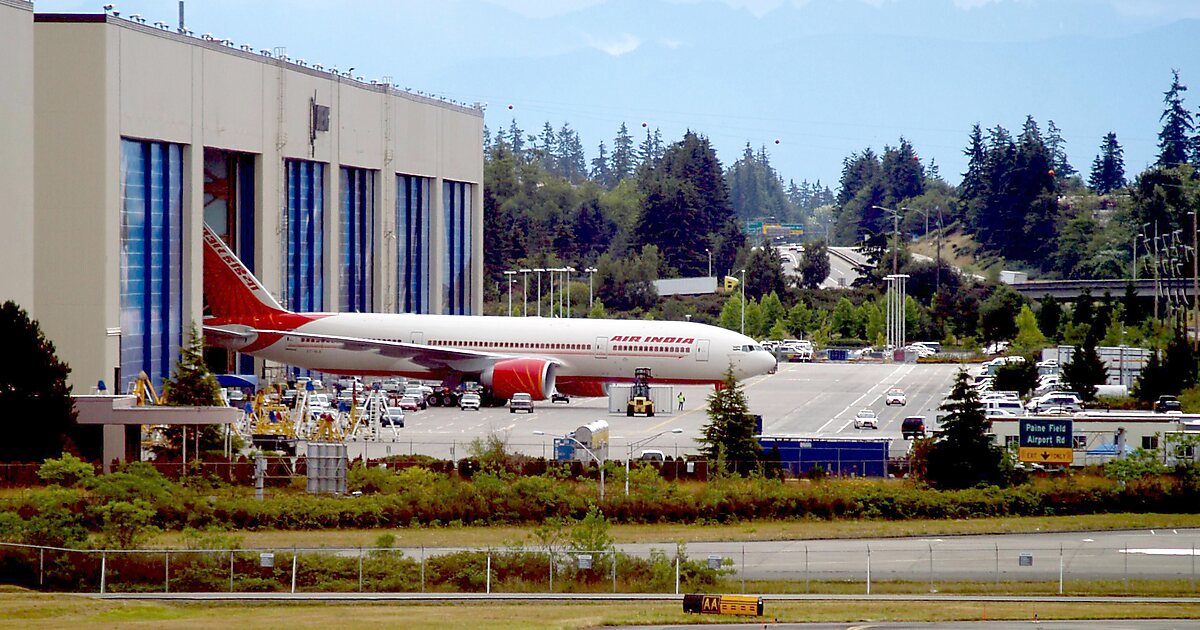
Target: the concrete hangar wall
(16, 152)
(340, 195)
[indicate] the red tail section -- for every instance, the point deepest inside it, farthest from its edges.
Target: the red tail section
(233, 293)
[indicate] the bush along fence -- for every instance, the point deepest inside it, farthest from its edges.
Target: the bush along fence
(880, 566)
(358, 569)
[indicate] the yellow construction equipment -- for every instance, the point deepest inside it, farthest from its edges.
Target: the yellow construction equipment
(639, 394)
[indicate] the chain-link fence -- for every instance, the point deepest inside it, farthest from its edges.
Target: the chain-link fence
(783, 567)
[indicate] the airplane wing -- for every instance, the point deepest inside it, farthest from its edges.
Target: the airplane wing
(431, 357)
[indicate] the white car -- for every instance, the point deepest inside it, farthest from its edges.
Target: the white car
(866, 419)
(1063, 400)
(895, 396)
(469, 401)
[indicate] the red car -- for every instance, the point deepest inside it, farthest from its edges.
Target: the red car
(408, 403)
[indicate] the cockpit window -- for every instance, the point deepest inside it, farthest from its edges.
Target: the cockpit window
(748, 348)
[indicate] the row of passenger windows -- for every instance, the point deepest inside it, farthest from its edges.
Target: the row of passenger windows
(662, 349)
(523, 345)
(526, 345)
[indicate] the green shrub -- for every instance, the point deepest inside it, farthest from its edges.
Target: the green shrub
(66, 471)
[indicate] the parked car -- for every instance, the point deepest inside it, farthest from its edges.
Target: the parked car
(1056, 400)
(394, 417)
(1167, 403)
(895, 396)
(866, 419)
(559, 397)
(419, 394)
(932, 345)
(520, 402)
(913, 427)
(410, 403)
(652, 455)
(469, 400)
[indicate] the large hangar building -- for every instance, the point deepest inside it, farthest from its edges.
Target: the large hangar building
(340, 194)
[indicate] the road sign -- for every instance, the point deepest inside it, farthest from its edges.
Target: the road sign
(1046, 441)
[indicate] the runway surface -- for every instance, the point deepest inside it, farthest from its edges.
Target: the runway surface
(814, 399)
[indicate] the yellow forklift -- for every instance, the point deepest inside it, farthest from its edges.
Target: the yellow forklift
(639, 394)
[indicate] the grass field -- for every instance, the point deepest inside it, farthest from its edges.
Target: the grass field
(27, 610)
(750, 531)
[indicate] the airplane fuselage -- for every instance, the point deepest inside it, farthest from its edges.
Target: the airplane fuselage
(587, 350)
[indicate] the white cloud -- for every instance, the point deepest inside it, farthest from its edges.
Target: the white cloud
(616, 46)
(757, 8)
(670, 43)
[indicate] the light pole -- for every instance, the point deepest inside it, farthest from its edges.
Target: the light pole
(590, 271)
(525, 292)
(588, 451)
(895, 234)
(509, 275)
(570, 271)
(551, 271)
(633, 445)
(743, 301)
(539, 302)
(709, 252)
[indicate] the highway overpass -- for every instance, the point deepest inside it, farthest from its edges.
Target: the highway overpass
(1071, 289)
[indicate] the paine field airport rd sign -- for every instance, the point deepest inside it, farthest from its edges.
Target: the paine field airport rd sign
(1046, 441)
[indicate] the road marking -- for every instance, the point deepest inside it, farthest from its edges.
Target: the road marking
(1161, 552)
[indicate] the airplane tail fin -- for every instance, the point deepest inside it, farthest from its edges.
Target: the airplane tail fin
(232, 291)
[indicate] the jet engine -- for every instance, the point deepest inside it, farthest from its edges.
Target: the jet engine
(532, 376)
(583, 389)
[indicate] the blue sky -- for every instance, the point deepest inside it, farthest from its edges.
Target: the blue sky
(823, 77)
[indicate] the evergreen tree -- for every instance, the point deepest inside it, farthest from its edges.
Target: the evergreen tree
(1133, 312)
(34, 393)
(973, 183)
(1083, 314)
(728, 437)
(1154, 380)
(686, 206)
(963, 455)
(814, 264)
(1049, 317)
(516, 140)
(601, 172)
(903, 177)
(622, 156)
(190, 385)
(1179, 361)
(569, 157)
(1086, 370)
(1108, 169)
(546, 149)
(1175, 139)
(1056, 147)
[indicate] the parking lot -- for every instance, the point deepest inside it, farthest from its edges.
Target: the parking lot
(801, 398)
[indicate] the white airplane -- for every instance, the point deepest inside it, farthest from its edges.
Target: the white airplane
(506, 355)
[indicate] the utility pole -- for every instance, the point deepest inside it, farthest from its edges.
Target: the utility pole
(1195, 284)
(938, 269)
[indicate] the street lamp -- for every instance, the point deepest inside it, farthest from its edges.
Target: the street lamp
(633, 445)
(539, 271)
(588, 451)
(590, 271)
(895, 233)
(570, 270)
(525, 292)
(709, 252)
(743, 301)
(511, 280)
